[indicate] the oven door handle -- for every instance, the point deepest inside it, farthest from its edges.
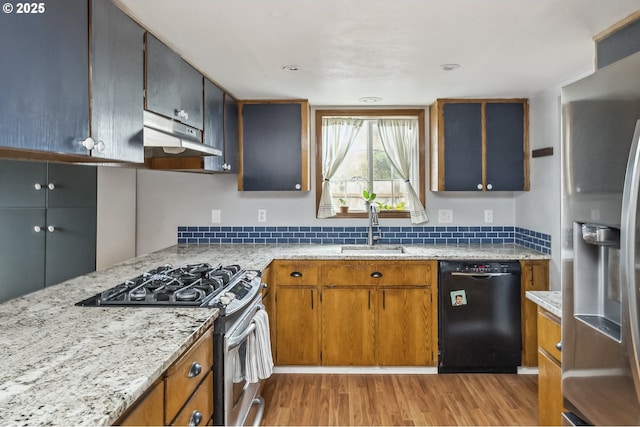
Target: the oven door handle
(236, 341)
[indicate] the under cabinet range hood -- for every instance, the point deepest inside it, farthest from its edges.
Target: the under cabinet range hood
(164, 137)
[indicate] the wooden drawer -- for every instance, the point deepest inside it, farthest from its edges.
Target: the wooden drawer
(296, 273)
(148, 410)
(377, 273)
(201, 401)
(179, 386)
(549, 333)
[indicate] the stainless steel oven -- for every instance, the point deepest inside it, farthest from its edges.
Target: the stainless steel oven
(240, 394)
(239, 390)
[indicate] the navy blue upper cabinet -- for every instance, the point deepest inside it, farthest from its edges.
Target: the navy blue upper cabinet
(213, 133)
(274, 142)
(618, 41)
(479, 145)
(117, 84)
(46, 82)
(44, 104)
(230, 134)
(173, 87)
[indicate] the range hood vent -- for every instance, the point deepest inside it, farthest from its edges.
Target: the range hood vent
(164, 137)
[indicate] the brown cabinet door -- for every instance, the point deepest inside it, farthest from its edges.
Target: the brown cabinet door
(535, 277)
(549, 391)
(148, 411)
(348, 326)
(297, 326)
(404, 327)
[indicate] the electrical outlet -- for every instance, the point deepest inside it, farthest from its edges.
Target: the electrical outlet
(488, 216)
(262, 215)
(216, 216)
(445, 216)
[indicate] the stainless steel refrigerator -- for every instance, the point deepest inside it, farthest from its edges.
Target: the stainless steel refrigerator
(600, 248)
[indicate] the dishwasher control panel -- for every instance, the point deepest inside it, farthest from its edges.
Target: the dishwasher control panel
(480, 267)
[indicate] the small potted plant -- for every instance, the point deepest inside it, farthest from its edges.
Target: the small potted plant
(344, 208)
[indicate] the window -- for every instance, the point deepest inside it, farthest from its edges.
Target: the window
(359, 150)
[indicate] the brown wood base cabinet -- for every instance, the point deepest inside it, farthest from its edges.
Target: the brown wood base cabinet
(549, 370)
(356, 313)
(184, 393)
(535, 277)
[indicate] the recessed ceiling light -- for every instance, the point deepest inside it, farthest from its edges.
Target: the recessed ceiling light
(291, 68)
(370, 99)
(449, 67)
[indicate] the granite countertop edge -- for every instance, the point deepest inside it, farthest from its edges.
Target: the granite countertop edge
(549, 300)
(70, 365)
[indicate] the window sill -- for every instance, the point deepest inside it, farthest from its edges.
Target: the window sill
(381, 214)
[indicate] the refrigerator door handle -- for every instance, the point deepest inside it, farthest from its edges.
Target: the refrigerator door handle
(628, 247)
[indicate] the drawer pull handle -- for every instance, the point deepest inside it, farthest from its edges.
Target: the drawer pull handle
(195, 370)
(196, 418)
(376, 275)
(559, 346)
(295, 274)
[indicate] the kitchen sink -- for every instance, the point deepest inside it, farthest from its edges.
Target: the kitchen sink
(371, 250)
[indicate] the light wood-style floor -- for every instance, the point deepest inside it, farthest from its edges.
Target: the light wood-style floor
(402, 400)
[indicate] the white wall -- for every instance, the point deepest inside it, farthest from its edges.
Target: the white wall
(116, 216)
(169, 199)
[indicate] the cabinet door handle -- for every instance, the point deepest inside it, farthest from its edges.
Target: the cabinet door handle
(383, 300)
(489, 187)
(195, 370)
(37, 186)
(196, 418)
(51, 186)
(295, 274)
(37, 229)
(369, 301)
(311, 299)
(479, 186)
(376, 275)
(51, 229)
(559, 346)
(298, 186)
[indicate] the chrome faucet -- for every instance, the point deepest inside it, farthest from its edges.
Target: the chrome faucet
(373, 220)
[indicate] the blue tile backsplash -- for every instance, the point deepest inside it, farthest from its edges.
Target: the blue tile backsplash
(458, 235)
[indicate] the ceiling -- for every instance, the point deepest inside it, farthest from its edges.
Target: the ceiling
(392, 49)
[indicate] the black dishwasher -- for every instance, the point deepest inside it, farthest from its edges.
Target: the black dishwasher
(479, 326)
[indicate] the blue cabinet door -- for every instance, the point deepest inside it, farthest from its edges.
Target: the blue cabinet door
(117, 83)
(22, 251)
(271, 147)
(213, 133)
(173, 87)
(44, 104)
(463, 146)
(231, 133)
(23, 184)
(72, 186)
(71, 245)
(505, 146)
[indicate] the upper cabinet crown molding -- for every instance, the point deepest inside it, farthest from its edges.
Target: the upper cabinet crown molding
(479, 145)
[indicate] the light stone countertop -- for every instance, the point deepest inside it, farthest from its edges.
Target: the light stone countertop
(61, 364)
(549, 300)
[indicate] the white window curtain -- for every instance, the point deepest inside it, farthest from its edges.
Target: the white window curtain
(338, 135)
(399, 138)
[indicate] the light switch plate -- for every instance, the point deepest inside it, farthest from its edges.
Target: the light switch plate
(445, 216)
